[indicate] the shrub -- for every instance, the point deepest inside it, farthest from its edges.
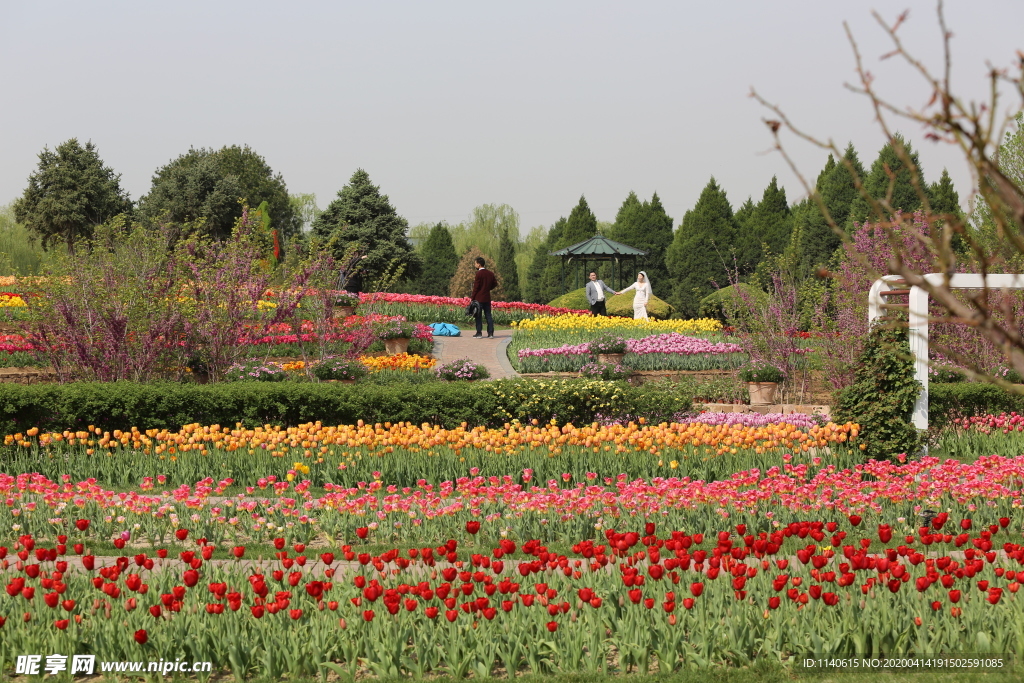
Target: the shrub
(123, 405)
(462, 369)
(616, 305)
(966, 399)
(605, 371)
(255, 371)
(339, 369)
(607, 343)
(882, 397)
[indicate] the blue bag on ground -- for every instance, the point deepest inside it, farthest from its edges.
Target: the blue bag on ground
(445, 330)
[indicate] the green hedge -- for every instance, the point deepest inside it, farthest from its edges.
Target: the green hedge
(122, 405)
(965, 399)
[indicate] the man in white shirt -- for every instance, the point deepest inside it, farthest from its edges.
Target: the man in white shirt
(595, 295)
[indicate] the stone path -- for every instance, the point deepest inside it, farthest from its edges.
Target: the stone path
(490, 353)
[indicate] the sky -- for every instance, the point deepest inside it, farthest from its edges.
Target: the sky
(450, 105)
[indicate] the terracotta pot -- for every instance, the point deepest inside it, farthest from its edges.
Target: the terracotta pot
(396, 346)
(610, 358)
(762, 393)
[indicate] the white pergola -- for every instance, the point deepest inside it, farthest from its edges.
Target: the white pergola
(918, 322)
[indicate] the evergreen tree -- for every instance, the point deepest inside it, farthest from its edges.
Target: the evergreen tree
(537, 287)
(767, 225)
(816, 240)
(944, 198)
(439, 262)
(208, 185)
(362, 215)
(506, 266)
(580, 226)
(645, 226)
(702, 247)
(878, 185)
(744, 214)
(69, 194)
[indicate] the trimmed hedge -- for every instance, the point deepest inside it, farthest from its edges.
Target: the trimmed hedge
(122, 405)
(966, 399)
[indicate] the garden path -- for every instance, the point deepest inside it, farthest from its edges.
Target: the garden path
(490, 353)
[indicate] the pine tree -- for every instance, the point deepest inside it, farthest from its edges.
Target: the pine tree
(439, 262)
(816, 240)
(506, 266)
(69, 195)
(944, 198)
(702, 247)
(535, 289)
(645, 226)
(580, 226)
(362, 215)
(767, 225)
(905, 197)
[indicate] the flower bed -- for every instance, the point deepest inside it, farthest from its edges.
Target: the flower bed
(799, 420)
(642, 571)
(587, 324)
(446, 309)
(669, 351)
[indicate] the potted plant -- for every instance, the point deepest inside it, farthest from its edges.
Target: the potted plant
(345, 304)
(609, 349)
(396, 335)
(606, 371)
(762, 382)
(343, 370)
(461, 369)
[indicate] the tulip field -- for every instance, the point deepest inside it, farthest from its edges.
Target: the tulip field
(411, 550)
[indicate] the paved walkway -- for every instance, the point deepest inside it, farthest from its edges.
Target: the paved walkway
(490, 353)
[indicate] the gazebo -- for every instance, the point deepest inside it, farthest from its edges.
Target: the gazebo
(598, 249)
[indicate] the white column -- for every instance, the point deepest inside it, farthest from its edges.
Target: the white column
(919, 351)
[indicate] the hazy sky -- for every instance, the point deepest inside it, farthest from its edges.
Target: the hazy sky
(449, 105)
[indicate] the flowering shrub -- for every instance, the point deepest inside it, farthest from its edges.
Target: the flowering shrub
(461, 369)
(607, 371)
(339, 369)
(761, 371)
(607, 343)
(346, 299)
(395, 328)
(255, 371)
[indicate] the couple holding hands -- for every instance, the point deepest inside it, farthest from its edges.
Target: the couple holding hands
(596, 289)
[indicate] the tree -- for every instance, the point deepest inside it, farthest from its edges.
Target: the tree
(506, 266)
(362, 216)
(439, 262)
(896, 181)
(645, 226)
(768, 227)
(305, 209)
(813, 242)
(465, 273)
(69, 194)
(544, 281)
(527, 252)
(697, 258)
(210, 186)
(580, 226)
(485, 228)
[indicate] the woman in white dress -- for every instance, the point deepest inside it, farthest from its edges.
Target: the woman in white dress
(642, 296)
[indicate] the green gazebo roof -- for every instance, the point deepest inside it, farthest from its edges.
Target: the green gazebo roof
(599, 245)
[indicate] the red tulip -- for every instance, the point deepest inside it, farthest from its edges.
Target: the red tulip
(368, 615)
(279, 543)
(362, 532)
(141, 636)
(327, 558)
(431, 612)
(181, 534)
(552, 626)
(190, 577)
(82, 524)
(295, 613)
(61, 624)
(696, 589)
(155, 610)
(774, 602)
(473, 526)
(855, 520)
(257, 611)
(238, 551)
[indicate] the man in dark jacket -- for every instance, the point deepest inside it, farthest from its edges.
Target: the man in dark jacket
(482, 286)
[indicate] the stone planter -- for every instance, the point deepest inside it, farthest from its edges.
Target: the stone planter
(344, 311)
(396, 346)
(762, 393)
(610, 358)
